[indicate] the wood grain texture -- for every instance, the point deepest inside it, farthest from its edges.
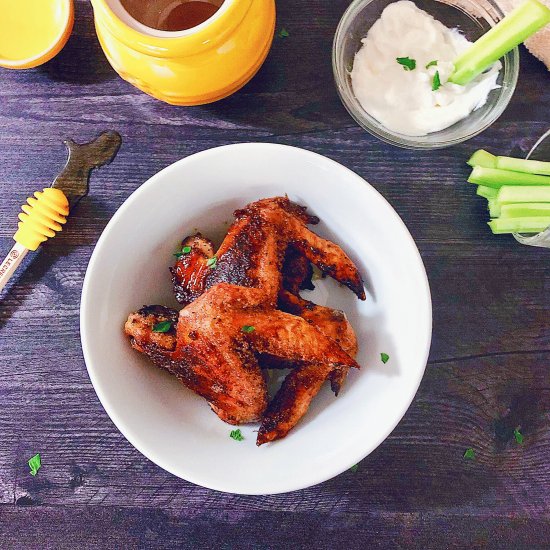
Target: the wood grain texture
(489, 368)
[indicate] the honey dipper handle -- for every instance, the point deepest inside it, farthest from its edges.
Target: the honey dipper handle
(11, 263)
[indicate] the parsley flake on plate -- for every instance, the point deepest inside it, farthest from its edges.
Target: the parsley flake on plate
(384, 357)
(436, 82)
(248, 328)
(283, 33)
(431, 64)
(212, 262)
(469, 454)
(519, 436)
(236, 435)
(35, 463)
(162, 326)
(354, 468)
(407, 63)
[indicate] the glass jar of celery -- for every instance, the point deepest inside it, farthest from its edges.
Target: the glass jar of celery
(517, 192)
(541, 152)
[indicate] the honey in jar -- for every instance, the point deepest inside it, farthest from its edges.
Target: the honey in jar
(171, 15)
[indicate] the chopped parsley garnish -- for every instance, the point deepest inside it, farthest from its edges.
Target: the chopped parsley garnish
(431, 64)
(35, 464)
(354, 468)
(384, 357)
(236, 435)
(436, 82)
(519, 436)
(184, 250)
(408, 63)
(162, 326)
(248, 328)
(212, 262)
(469, 454)
(283, 33)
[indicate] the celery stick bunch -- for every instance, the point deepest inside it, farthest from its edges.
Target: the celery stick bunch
(522, 22)
(517, 192)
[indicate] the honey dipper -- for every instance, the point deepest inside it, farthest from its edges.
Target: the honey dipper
(45, 214)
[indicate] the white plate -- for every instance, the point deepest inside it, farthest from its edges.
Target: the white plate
(175, 428)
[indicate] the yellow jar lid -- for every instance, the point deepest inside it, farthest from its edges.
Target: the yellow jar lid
(33, 31)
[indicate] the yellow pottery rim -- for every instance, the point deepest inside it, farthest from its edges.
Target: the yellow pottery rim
(197, 40)
(44, 53)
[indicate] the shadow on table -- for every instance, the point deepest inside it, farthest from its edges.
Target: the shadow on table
(294, 90)
(82, 60)
(281, 111)
(37, 268)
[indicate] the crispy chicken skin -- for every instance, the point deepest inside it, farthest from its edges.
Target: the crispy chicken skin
(253, 252)
(262, 264)
(291, 402)
(214, 357)
(228, 379)
(297, 274)
(191, 270)
(139, 327)
(302, 384)
(332, 322)
(221, 313)
(258, 265)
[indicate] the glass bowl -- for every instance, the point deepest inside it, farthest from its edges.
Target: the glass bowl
(540, 151)
(472, 18)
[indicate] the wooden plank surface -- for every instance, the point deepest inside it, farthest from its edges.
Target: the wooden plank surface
(489, 368)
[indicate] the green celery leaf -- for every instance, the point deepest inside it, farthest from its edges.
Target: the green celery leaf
(162, 326)
(407, 63)
(436, 82)
(469, 454)
(236, 435)
(35, 463)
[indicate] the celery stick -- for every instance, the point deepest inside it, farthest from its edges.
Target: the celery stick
(525, 210)
(483, 158)
(510, 194)
(487, 192)
(517, 26)
(519, 225)
(493, 177)
(487, 160)
(494, 208)
(522, 165)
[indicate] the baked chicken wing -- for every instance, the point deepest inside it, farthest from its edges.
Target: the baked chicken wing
(231, 320)
(211, 353)
(254, 249)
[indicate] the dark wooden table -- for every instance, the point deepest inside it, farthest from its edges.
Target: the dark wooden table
(489, 368)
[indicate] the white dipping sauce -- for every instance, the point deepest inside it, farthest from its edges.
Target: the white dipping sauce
(403, 100)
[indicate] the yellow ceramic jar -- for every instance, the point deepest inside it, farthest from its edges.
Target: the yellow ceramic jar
(192, 67)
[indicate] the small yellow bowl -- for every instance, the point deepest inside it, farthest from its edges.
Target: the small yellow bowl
(33, 31)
